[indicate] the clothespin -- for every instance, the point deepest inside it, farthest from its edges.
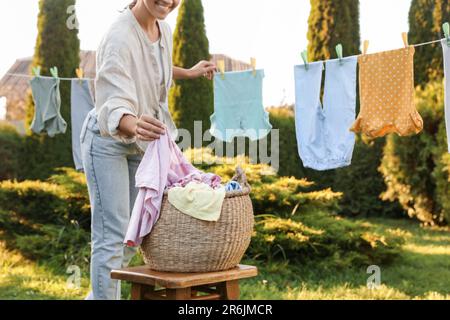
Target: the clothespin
(446, 27)
(405, 39)
(339, 52)
(365, 46)
(305, 59)
(80, 74)
(253, 63)
(221, 67)
(36, 71)
(54, 72)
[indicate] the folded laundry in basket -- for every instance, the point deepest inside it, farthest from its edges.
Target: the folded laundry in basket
(233, 186)
(163, 165)
(198, 200)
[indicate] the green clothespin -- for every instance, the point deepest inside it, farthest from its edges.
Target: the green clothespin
(339, 52)
(446, 27)
(54, 72)
(305, 59)
(36, 71)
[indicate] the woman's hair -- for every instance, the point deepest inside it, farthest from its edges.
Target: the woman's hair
(132, 4)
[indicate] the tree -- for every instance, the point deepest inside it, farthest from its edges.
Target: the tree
(56, 45)
(422, 29)
(191, 100)
(332, 22)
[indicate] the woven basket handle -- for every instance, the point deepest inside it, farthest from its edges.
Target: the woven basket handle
(241, 178)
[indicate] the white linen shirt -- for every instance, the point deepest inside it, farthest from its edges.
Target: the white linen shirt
(128, 77)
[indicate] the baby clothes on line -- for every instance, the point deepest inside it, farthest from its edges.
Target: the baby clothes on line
(387, 94)
(198, 200)
(47, 102)
(446, 50)
(163, 166)
(324, 141)
(81, 103)
(238, 106)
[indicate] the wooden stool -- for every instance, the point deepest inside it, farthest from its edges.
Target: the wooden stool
(222, 285)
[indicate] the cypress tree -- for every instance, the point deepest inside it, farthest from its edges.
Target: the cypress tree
(191, 100)
(56, 45)
(422, 28)
(332, 22)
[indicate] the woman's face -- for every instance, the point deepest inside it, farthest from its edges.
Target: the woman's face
(160, 9)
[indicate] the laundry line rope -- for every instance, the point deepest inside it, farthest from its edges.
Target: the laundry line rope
(91, 79)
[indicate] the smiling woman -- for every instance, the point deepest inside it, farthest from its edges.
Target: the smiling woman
(134, 75)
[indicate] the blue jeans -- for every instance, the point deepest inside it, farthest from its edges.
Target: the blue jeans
(110, 167)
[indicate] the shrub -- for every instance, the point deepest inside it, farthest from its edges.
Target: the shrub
(415, 168)
(361, 184)
(318, 235)
(60, 199)
(10, 143)
(58, 245)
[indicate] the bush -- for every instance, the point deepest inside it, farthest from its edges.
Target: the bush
(299, 224)
(416, 168)
(57, 245)
(317, 235)
(10, 144)
(61, 199)
(361, 184)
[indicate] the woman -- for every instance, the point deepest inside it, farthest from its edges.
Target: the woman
(134, 74)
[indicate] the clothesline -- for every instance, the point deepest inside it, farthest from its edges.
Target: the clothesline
(91, 79)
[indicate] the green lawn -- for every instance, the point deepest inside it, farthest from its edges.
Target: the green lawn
(421, 272)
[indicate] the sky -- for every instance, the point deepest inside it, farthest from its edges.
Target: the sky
(272, 31)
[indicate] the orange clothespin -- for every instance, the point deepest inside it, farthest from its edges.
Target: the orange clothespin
(253, 64)
(80, 74)
(405, 39)
(365, 46)
(221, 67)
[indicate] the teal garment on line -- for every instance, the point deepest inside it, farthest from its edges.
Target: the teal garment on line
(238, 106)
(47, 102)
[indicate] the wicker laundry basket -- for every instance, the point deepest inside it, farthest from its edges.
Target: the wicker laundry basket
(181, 243)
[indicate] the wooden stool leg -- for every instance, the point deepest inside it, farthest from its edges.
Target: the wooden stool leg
(137, 292)
(229, 290)
(179, 294)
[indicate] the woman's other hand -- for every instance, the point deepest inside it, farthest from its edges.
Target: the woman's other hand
(203, 68)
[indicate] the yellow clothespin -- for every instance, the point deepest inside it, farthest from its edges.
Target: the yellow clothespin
(365, 46)
(405, 39)
(80, 74)
(221, 67)
(253, 63)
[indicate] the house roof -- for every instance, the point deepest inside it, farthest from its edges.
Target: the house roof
(15, 89)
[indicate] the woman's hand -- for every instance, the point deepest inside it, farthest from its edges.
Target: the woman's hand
(145, 128)
(203, 68)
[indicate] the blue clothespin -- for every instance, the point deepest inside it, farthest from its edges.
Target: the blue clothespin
(339, 52)
(54, 72)
(446, 27)
(36, 71)
(305, 59)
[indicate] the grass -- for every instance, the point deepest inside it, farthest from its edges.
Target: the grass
(421, 272)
